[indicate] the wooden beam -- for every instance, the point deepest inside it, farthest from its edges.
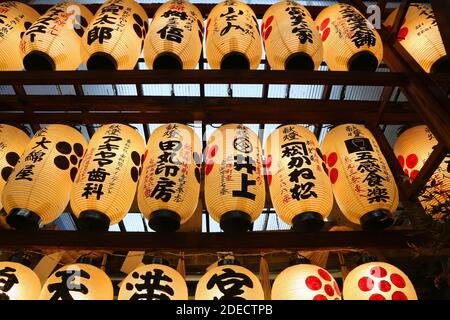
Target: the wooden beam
(399, 18)
(441, 11)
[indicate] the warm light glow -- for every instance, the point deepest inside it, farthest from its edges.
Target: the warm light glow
(18, 282)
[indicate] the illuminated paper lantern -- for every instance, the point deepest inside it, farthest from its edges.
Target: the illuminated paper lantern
(412, 148)
(234, 183)
(78, 282)
(175, 37)
(15, 19)
(18, 282)
(363, 185)
(38, 189)
(232, 37)
(13, 142)
(299, 185)
(305, 282)
(153, 282)
(420, 36)
(350, 42)
(378, 281)
(53, 42)
(115, 36)
(169, 186)
(229, 281)
(291, 38)
(105, 187)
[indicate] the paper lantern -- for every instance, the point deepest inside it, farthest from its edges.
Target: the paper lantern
(412, 148)
(153, 282)
(299, 185)
(229, 282)
(291, 38)
(378, 281)
(78, 281)
(13, 142)
(420, 36)
(38, 189)
(105, 187)
(234, 183)
(115, 36)
(18, 282)
(232, 38)
(15, 19)
(350, 42)
(175, 37)
(53, 42)
(305, 282)
(363, 185)
(169, 187)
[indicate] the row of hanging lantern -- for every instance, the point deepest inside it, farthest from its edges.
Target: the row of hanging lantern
(116, 35)
(227, 281)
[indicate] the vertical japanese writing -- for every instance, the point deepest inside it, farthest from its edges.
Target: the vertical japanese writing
(363, 35)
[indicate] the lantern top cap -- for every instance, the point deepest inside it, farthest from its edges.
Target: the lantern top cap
(228, 262)
(300, 260)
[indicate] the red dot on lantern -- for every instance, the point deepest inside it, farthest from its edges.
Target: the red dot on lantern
(269, 161)
(406, 172)
(267, 33)
(320, 297)
(324, 24)
(398, 295)
(329, 290)
(325, 34)
(377, 296)
(269, 178)
(413, 175)
(213, 151)
(402, 33)
(324, 275)
(313, 283)
(411, 161)
(209, 166)
(334, 175)
(384, 286)
(365, 284)
(398, 280)
(378, 272)
(332, 159)
(401, 160)
(269, 21)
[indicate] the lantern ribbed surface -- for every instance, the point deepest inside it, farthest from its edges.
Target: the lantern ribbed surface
(18, 282)
(115, 36)
(298, 182)
(53, 42)
(412, 148)
(291, 38)
(169, 187)
(107, 179)
(378, 281)
(363, 185)
(175, 37)
(305, 282)
(13, 142)
(172, 284)
(229, 282)
(42, 180)
(350, 42)
(15, 19)
(78, 282)
(232, 39)
(234, 181)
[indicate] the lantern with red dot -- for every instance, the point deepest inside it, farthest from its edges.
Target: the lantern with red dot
(304, 281)
(363, 184)
(378, 281)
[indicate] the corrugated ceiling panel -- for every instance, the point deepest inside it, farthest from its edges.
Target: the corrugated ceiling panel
(6, 90)
(363, 93)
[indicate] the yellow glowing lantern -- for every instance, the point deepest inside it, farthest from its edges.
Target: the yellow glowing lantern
(13, 142)
(232, 37)
(363, 185)
(15, 19)
(350, 42)
(378, 281)
(169, 186)
(105, 186)
(229, 281)
(299, 185)
(38, 189)
(18, 282)
(291, 38)
(175, 37)
(78, 281)
(115, 36)
(234, 183)
(412, 148)
(171, 285)
(304, 281)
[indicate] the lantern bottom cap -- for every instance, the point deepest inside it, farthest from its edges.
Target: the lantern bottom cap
(101, 61)
(376, 220)
(299, 61)
(38, 60)
(91, 220)
(23, 219)
(363, 61)
(164, 221)
(228, 262)
(307, 222)
(159, 260)
(167, 61)
(235, 60)
(235, 221)
(441, 66)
